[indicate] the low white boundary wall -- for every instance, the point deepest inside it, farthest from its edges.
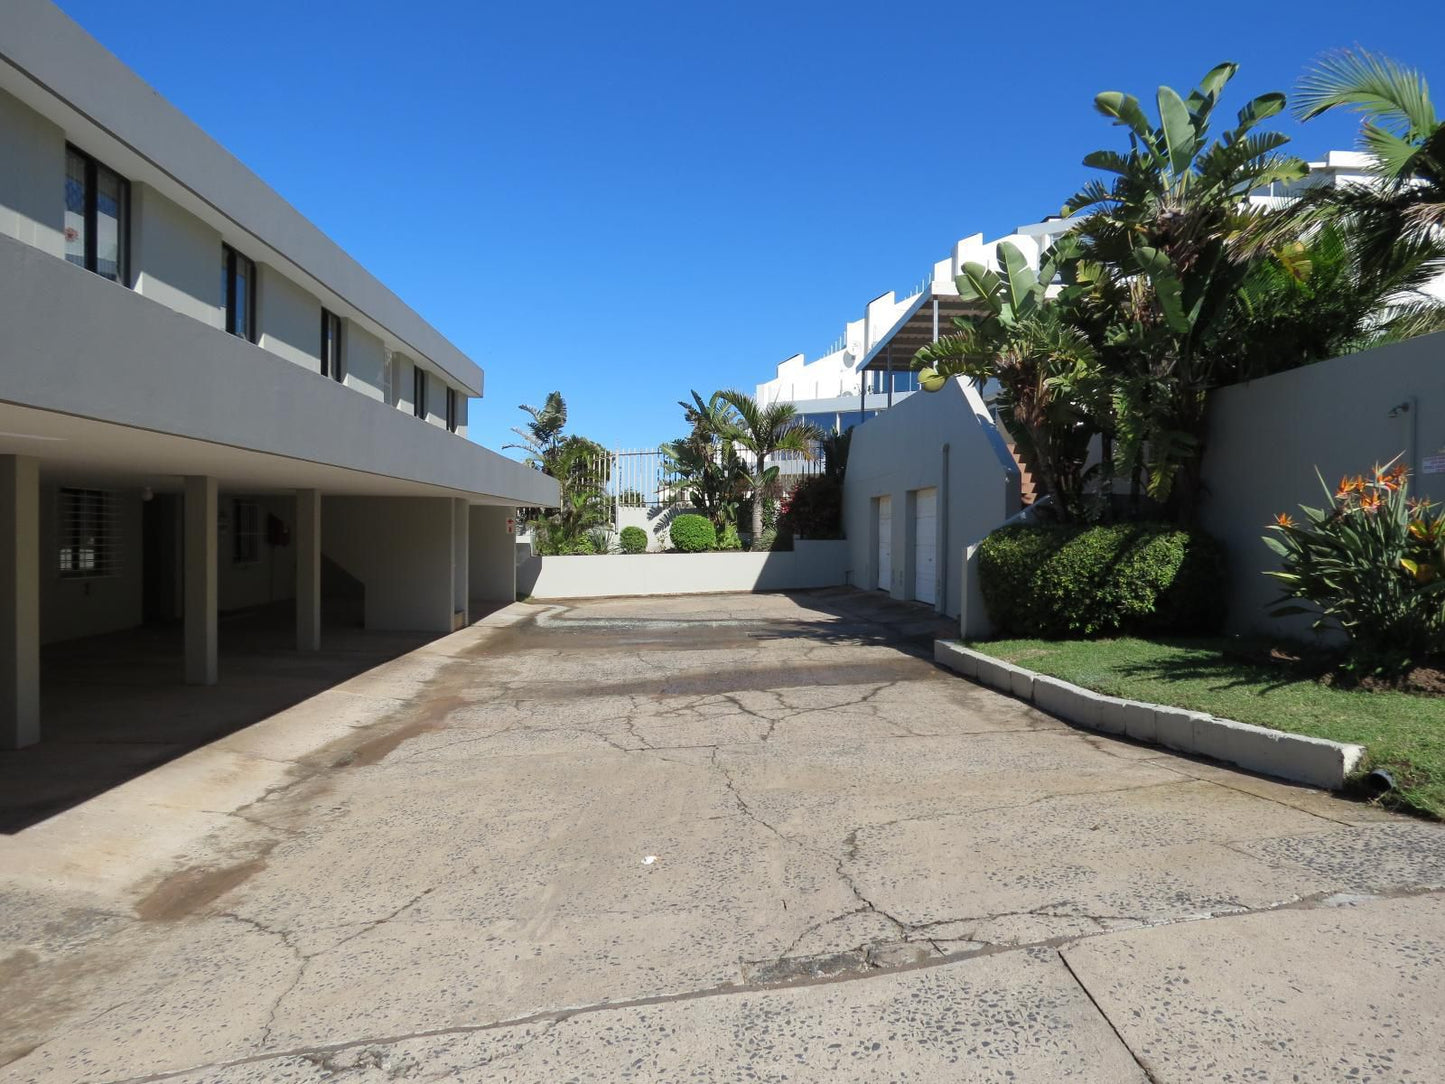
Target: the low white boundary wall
(809, 564)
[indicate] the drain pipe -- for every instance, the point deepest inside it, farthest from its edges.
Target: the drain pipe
(940, 594)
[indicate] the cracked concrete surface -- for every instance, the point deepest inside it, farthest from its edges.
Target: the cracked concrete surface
(864, 868)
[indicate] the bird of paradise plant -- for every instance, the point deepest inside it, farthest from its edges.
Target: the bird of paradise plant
(1371, 565)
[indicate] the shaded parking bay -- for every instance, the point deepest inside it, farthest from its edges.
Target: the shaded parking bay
(732, 837)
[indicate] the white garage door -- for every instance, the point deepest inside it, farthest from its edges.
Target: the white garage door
(925, 546)
(885, 543)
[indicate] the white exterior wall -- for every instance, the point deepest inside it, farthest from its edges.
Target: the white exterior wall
(175, 258)
(364, 359)
(162, 375)
(944, 441)
(289, 319)
(1267, 438)
(32, 155)
(71, 608)
(491, 555)
(808, 565)
(401, 549)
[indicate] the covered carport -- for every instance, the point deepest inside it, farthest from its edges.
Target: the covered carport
(159, 590)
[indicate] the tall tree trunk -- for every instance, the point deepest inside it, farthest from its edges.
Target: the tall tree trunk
(757, 539)
(1106, 479)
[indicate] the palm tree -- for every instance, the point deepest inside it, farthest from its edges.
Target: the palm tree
(764, 431)
(1401, 132)
(705, 464)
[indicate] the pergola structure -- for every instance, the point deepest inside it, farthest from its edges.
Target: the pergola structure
(928, 317)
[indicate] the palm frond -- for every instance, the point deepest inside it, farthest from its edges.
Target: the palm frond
(1368, 83)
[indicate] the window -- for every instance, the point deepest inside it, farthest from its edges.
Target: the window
(331, 346)
(238, 293)
(245, 532)
(86, 530)
(97, 217)
(418, 391)
(451, 410)
(905, 381)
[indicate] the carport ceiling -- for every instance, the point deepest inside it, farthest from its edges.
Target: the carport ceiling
(74, 450)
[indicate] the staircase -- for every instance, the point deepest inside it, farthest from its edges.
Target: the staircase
(1029, 489)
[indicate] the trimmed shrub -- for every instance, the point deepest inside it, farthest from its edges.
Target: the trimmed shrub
(1064, 581)
(582, 546)
(633, 540)
(692, 534)
(729, 539)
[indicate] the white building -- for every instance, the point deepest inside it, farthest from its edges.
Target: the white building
(870, 367)
(204, 403)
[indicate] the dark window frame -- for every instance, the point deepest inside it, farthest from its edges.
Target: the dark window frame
(452, 410)
(332, 363)
(245, 544)
(94, 510)
(90, 213)
(231, 259)
(418, 391)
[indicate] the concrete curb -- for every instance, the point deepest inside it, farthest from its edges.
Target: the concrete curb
(1299, 758)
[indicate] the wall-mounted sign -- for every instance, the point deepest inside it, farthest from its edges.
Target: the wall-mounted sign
(1433, 464)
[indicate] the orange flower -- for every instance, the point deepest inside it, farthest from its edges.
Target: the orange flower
(1370, 503)
(1391, 480)
(1283, 520)
(1350, 485)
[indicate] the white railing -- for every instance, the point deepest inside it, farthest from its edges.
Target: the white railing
(643, 478)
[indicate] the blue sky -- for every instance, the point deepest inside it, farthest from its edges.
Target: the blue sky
(626, 200)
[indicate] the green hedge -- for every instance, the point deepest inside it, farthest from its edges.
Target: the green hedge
(633, 540)
(692, 534)
(1060, 582)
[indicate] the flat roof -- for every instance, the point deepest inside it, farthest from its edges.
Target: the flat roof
(51, 64)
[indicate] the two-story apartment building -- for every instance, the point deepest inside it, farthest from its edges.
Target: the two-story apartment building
(205, 404)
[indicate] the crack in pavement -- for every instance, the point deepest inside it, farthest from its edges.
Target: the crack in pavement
(562, 1015)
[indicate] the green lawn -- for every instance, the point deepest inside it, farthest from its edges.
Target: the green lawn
(1403, 732)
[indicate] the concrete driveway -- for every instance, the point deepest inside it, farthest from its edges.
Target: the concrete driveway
(723, 838)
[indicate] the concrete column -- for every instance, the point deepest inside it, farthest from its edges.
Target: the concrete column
(492, 560)
(19, 601)
(461, 584)
(308, 570)
(202, 546)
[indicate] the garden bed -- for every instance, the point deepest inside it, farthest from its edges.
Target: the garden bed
(1402, 732)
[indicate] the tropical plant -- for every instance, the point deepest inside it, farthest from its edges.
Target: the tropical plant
(1401, 132)
(1050, 385)
(692, 534)
(1166, 247)
(764, 431)
(728, 538)
(813, 508)
(1370, 564)
(582, 469)
(633, 540)
(1325, 295)
(705, 464)
(541, 434)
